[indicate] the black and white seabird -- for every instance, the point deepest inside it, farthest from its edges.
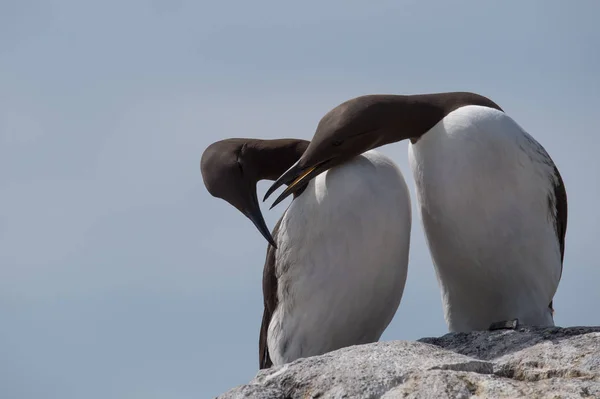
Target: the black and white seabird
(492, 202)
(335, 272)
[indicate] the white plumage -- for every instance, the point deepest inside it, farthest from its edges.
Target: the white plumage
(341, 259)
(483, 186)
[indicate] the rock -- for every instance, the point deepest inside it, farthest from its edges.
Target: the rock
(524, 363)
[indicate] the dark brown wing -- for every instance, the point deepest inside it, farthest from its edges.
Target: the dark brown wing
(560, 194)
(557, 202)
(270, 294)
(560, 203)
(270, 301)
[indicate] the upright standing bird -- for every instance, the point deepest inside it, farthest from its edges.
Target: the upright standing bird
(337, 265)
(492, 202)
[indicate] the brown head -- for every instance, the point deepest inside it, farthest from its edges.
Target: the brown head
(231, 169)
(368, 122)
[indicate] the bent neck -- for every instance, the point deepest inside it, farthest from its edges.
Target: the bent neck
(271, 158)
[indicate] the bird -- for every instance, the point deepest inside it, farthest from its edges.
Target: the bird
(337, 261)
(492, 202)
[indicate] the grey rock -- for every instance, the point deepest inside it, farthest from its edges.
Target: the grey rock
(523, 363)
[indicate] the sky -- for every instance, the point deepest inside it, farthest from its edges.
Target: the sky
(121, 277)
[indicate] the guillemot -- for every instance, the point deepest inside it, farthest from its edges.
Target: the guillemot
(492, 202)
(336, 270)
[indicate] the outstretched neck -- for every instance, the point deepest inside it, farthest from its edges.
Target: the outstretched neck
(410, 117)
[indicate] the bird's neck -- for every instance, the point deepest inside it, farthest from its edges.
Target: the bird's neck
(271, 158)
(410, 117)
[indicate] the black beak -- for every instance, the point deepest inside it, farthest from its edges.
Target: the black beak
(255, 215)
(295, 178)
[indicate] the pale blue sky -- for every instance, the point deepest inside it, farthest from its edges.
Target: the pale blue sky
(116, 280)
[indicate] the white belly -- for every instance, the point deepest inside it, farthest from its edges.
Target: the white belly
(483, 188)
(342, 259)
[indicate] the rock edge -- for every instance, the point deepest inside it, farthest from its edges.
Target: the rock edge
(527, 362)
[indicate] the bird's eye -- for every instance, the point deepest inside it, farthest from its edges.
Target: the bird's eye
(337, 143)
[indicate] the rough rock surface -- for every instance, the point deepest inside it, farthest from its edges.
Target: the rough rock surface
(522, 363)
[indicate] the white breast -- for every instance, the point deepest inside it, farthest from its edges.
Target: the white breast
(483, 186)
(342, 259)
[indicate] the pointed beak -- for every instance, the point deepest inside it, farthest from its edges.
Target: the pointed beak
(295, 178)
(255, 215)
